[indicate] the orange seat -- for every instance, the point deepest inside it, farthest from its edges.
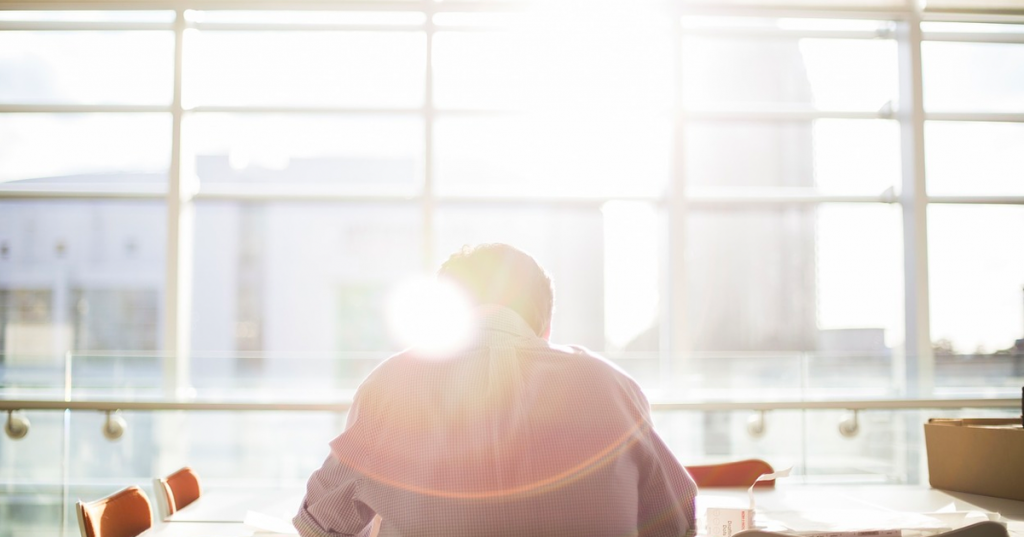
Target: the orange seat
(176, 491)
(125, 513)
(731, 474)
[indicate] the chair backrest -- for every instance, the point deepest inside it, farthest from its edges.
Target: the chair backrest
(176, 491)
(731, 474)
(125, 513)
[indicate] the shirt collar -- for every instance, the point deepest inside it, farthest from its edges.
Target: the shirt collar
(496, 321)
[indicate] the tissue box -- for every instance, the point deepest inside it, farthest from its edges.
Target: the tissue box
(979, 456)
(724, 522)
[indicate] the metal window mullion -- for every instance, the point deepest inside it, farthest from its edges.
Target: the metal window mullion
(82, 26)
(976, 37)
(19, 108)
(919, 360)
(779, 114)
(300, 27)
(995, 117)
(729, 32)
(428, 144)
(674, 337)
(177, 290)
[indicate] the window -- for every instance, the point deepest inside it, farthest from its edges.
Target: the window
(721, 191)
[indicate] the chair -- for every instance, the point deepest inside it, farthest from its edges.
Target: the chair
(125, 513)
(731, 474)
(176, 491)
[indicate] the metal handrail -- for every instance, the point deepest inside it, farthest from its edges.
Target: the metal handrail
(338, 406)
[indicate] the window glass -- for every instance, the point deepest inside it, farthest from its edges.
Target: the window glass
(87, 67)
(829, 74)
(281, 280)
(85, 148)
(552, 156)
(974, 158)
(976, 277)
(973, 77)
(357, 154)
(839, 155)
(828, 280)
(619, 61)
(357, 69)
(80, 275)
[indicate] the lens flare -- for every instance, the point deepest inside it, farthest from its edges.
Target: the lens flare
(434, 316)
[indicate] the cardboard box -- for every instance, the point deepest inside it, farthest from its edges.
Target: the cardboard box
(979, 456)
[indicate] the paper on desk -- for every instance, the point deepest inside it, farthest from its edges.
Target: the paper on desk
(852, 520)
(268, 526)
(959, 519)
(766, 477)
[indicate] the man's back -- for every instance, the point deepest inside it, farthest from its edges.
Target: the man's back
(511, 437)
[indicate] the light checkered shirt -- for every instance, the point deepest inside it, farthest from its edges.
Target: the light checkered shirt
(514, 436)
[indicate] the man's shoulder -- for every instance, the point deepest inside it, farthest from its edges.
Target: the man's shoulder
(586, 359)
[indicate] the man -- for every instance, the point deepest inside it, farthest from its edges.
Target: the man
(510, 436)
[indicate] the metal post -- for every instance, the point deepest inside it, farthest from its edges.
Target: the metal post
(920, 363)
(178, 287)
(428, 146)
(674, 331)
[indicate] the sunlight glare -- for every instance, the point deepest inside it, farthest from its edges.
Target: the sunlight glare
(435, 316)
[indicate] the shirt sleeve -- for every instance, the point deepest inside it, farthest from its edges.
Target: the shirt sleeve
(332, 506)
(667, 494)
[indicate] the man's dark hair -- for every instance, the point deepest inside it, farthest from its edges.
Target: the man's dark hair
(505, 276)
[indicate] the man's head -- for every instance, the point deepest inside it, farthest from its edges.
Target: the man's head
(502, 275)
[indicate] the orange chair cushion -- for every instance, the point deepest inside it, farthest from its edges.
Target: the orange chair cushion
(125, 513)
(731, 474)
(182, 488)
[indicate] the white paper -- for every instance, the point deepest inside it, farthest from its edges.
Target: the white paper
(266, 525)
(851, 520)
(766, 477)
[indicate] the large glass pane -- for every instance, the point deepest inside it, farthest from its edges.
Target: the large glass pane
(80, 275)
(354, 154)
(547, 156)
(831, 74)
(827, 281)
(86, 67)
(973, 77)
(85, 148)
(837, 155)
(974, 158)
(296, 292)
(31, 495)
(976, 277)
(554, 61)
(357, 69)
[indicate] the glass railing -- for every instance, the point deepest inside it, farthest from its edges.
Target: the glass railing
(264, 421)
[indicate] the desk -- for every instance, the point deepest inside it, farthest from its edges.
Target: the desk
(229, 507)
(910, 498)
